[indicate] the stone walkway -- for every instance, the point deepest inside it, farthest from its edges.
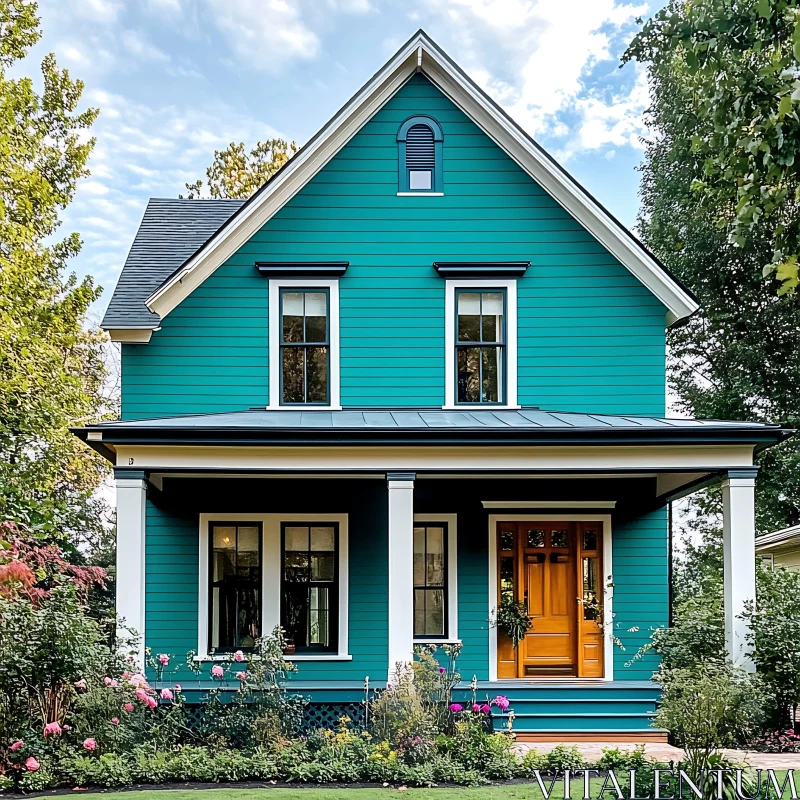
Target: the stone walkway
(592, 751)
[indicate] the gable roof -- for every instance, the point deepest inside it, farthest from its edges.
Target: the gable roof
(775, 538)
(420, 54)
(170, 232)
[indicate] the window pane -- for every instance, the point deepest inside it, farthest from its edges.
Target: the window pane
(492, 317)
(248, 616)
(224, 553)
(316, 317)
(491, 374)
(590, 540)
(247, 555)
(536, 537)
(296, 538)
(559, 538)
(292, 313)
(296, 567)
(419, 556)
(294, 614)
(317, 374)
(469, 321)
(319, 622)
(293, 383)
(322, 568)
(419, 180)
(435, 558)
(468, 375)
(434, 612)
(419, 612)
(322, 539)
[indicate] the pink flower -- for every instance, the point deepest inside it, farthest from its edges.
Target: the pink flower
(141, 694)
(475, 707)
(238, 656)
(52, 727)
(115, 720)
(501, 702)
(485, 709)
(81, 684)
(16, 746)
(107, 681)
(442, 670)
(163, 659)
(31, 764)
(456, 707)
(138, 680)
(151, 702)
(217, 671)
(166, 694)
(126, 675)
(177, 688)
(128, 707)
(90, 744)
(241, 676)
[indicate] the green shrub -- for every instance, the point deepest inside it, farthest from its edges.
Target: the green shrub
(561, 757)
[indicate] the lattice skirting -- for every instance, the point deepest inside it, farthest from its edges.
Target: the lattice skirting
(316, 716)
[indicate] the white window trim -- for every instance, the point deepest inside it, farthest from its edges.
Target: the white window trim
(510, 286)
(607, 577)
(271, 579)
(420, 194)
(452, 576)
(275, 286)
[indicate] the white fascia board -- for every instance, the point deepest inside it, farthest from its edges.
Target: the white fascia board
(300, 170)
(131, 335)
(349, 120)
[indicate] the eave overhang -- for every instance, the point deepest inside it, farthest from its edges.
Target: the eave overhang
(481, 269)
(302, 269)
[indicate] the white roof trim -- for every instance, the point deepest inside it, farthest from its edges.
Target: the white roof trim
(421, 54)
(778, 537)
(131, 335)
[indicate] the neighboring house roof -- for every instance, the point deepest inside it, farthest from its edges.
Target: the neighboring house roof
(419, 54)
(783, 537)
(425, 426)
(170, 231)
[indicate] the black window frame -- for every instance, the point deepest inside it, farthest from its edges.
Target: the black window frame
(212, 583)
(334, 586)
(282, 344)
(445, 587)
(502, 385)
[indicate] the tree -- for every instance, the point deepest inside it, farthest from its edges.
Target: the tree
(51, 366)
(739, 357)
(237, 174)
(738, 63)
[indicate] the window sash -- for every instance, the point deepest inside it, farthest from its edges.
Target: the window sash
(309, 585)
(304, 346)
(481, 344)
(429, 588)
(240, 584)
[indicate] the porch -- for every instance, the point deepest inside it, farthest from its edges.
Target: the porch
(356, 492)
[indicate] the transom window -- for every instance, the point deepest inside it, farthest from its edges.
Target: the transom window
(480, 345)
(235, 598)
(430, 581)
(305, 346)
(310, 585)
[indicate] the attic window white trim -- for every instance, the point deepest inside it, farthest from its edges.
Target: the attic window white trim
(438, 68)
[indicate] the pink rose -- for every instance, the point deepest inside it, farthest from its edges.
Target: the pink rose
(126, 675)
(217, 671)
(138, 680)
(163, 659)
(475, 707)
(456, 707)
(128, 707)
(90, 744)
(52, 728)
(115, 720)
(151, 702)
(31, 764)
(485, 709)
(107, 681)
(141, 694)
(16, 746)
(166, 694)
(238, 656)
(81, 684)
(241, 676)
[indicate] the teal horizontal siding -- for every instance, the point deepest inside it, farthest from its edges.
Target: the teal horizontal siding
(591, 337)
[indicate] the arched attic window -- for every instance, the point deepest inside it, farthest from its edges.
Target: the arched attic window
(419, 156)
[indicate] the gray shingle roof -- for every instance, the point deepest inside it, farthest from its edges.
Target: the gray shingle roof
(171, 231)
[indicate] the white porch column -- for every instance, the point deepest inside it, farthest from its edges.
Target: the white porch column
(401, 569)
(131, 497)
(738, 535)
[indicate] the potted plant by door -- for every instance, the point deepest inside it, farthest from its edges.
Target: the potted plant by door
(512, 618)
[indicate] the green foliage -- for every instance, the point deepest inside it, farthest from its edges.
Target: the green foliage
(235, 173)
(737, 61)
(512, 618)
(739, 357)
(708, 707)
(561, 757)
(51, 366)
(774, 638)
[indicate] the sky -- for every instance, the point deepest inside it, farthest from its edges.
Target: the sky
(176, 79)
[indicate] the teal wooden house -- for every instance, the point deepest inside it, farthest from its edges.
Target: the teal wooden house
(419, 373)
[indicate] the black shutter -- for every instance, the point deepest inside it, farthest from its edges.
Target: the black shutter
(420, 152)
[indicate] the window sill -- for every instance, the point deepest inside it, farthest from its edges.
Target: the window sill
(438, 641)
(301, 407)
(225, 657)
(482, 407)
(420, 194)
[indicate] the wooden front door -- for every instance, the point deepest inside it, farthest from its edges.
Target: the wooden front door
(553, 569)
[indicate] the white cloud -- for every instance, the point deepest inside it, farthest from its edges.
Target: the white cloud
(166, 7)
(97, 10)
(140, 47)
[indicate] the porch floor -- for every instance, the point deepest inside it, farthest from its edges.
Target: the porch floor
(663, 752)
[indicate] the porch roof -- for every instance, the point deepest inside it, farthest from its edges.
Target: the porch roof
(528, 426)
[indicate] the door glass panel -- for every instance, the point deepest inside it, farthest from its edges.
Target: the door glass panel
(590, 598)
(590, 540)
(322, 539)
(559, 538)
(536, 538)
(506, 540)
(507, 577)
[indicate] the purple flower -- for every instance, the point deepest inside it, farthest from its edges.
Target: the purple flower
(456, 707)
(476, 708)
(501, 702)
(442, 670)
(485, 709)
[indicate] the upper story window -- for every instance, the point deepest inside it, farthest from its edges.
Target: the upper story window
(235, 597)
(305, 346)
(419, 153)
(480, 346)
